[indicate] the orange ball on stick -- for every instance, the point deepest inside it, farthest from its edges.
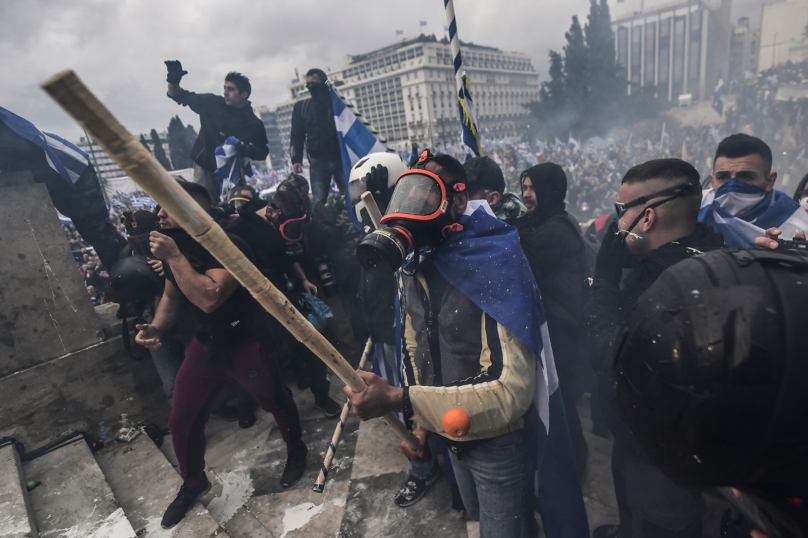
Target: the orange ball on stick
(456, 422)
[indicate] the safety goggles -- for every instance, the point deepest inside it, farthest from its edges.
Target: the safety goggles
(671, 193)
(419, 195)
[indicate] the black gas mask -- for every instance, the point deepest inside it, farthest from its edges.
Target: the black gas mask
(139, 224)
(418, 215)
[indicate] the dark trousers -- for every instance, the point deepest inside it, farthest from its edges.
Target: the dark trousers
(649, 504)
(195, 388)
(321, 172)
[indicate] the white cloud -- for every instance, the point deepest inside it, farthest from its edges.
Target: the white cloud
(118, 47)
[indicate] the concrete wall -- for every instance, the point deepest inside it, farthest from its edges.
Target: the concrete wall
(61, 367)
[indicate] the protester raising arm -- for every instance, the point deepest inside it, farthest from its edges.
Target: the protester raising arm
(175, 74)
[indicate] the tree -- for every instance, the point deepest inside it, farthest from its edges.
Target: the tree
(180, 141)
(606, 89)
(144, 143)
(159, 152)
(576, 70)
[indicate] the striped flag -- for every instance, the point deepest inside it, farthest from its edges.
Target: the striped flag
(357, 138)
(227, 169)
(468, 119)
(64, 157)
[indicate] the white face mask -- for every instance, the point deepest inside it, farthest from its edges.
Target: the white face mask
(804, 202)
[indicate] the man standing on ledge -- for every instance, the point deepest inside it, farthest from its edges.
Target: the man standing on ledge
(219, 118)
(313, 123)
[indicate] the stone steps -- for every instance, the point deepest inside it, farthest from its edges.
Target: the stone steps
(74, 498)
(145, 483)
(16, 514)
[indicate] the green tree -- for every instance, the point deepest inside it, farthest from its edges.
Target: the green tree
(159, 152)
(144, 143)
(576, 71)
(180, 141)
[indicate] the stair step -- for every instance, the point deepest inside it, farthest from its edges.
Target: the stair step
(74, 498)
(145, 483)
(16, 514)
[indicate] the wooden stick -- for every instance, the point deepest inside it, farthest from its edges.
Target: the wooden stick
(77, 100)
(373, 209)
(319, 485)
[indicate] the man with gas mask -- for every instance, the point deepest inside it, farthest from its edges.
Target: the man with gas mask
(742, 201)
(231, 341)
(710, 376)
(468, 346)
(269, 229)
(657, 226)
(313, 125)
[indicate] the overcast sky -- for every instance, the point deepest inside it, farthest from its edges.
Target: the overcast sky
(118, 46)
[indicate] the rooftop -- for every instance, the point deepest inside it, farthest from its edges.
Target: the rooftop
(353, 59)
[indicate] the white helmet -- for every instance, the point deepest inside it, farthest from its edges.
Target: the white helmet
(357, 182)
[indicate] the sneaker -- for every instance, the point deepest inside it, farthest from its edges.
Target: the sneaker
(295, 465)
(414, 489)
(328, 406)
(246, 414)
(186, 498)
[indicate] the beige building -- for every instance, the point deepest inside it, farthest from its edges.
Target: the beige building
(783, 33)
(407, 91)
(743, 51)
(679, 47)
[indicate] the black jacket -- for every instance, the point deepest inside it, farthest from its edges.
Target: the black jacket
(554, 249)
(612, 306)
(218, 121)
(313, 123)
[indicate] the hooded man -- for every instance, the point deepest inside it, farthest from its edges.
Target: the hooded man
(313, 124)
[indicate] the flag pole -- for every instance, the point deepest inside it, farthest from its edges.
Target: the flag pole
(457, 59)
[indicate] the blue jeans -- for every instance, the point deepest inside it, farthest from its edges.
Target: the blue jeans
(422, 471)
(168, 359)
(321, 171)
(496, 481)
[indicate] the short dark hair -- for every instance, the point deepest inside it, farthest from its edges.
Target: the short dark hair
(241, 82)
(250, 189)
(668, 170)
(319, 72)
(197, 192)
(484, 173)
(741, 145)
(287, 201)
(451, 170)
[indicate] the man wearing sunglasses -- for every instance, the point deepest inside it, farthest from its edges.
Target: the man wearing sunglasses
(656, 226)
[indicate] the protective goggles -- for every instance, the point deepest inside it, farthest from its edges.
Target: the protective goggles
(671, 193)
(419, 195)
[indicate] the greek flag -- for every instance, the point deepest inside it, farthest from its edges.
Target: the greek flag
(228, 166)
(743, 212)
(357, 139)
(468, 119)
(141, 202)
(64, 157)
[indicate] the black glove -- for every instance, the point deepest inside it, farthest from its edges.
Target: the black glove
(248, 150)
(609, 261)
(175, 72)
(377, 180)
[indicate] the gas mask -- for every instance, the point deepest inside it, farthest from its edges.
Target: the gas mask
(139, 224)
(419, 214)
(291, 228)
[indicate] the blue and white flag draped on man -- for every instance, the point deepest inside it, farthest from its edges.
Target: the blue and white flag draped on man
(485, 262)
(64, 157)
(357, 139)
(743, 212)
(229, 169)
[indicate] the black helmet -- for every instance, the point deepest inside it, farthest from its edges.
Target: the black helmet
(134, 282)
(711, 371)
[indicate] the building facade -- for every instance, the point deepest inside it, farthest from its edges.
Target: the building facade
(782, 34)
(104, 166)
(743, 50)
(408, 91)
(277, 150)
(675, 48)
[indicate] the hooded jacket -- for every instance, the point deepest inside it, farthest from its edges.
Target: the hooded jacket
(313, 124)
(217, 121)
(612, 305)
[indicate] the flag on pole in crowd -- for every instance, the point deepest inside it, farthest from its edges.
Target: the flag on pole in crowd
(718, 103)
(141, 202)
(230, 169)
(573, 144)
(357, 138)
(685, 156)
(64, 157)
(468, 118)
